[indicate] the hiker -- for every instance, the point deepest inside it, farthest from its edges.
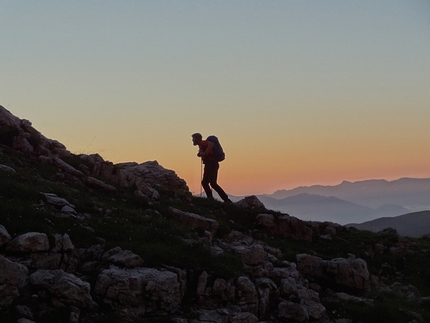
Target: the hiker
(211, 161)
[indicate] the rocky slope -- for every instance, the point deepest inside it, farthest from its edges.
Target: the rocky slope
(289, 270)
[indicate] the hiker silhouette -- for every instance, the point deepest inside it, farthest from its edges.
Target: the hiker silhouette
(211, 153)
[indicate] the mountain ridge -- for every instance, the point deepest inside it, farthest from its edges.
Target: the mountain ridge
(358, 202)
(311, 207)
(414, 224)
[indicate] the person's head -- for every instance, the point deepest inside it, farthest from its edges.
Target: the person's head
(197, 138)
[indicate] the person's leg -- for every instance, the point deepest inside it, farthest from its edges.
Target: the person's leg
(206, 180)
(213, 182)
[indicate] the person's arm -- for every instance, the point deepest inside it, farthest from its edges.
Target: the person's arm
(207, 151)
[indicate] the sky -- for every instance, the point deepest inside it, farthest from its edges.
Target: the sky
(299, 92)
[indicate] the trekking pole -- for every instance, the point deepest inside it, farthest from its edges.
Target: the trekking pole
(201, 177)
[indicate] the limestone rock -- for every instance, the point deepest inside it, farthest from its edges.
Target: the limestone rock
(96, 183)
(154, 174)
(247, 295)
(140, 291)
(67, 168)
(284, 226)
(8, 169)
(66, 287)
(4, 235)
(29, 242)
(62, 243)
(250, 202)
(193, 220)
(12, 273)
(349, 272)
(126, 258)
(244, 318)
(292, 312)
(56, 201)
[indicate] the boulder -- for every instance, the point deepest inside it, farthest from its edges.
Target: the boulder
(7, 169)
(12, 273)
(140, 291)
(96, 183)
(59, 163)
(66, 287)
(29, 242)
(284, 226)
(251, 202)
(126, 258)
(152, 173)
(54, 200)
(4, 236)
(292, 312)
(62, 243)
(246, 295)
(351, 272)
(244, 318)
(193, 220)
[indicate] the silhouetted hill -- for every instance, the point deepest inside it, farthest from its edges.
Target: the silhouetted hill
(320, 208)
(410, 193)
(414, 224)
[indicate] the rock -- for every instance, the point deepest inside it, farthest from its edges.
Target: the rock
(251, 202)
(24, 311)
(45, 260)
(202, 282)
(4, 236)
(244, 318)
(220, 315)
(18, 133)
(126, 258)
(139, 291)
(341, 297)
(310, 300)
(29, 242)
(292, 312)
(56, 201)
(267, 291)
(24, 320)
(351, 272)
(154, 174)
(96, 183)
(145, 190)
(257, 261)
(284, 226)
(66, 287)
(193, 220)
(67, 168)
(67, 210)
(62, 243)
(7, 169)
(250, 255)
(410, 292)
(246, 295)
(290, 270)
(12, 278)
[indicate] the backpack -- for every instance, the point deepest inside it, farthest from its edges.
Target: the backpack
(218, 152)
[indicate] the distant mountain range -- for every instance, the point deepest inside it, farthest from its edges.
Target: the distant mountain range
(412, 225)
(312, 207)
(352, 202)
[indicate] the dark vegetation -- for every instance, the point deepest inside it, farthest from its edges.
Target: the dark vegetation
(125, 220)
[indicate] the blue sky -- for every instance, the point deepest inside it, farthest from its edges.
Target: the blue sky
(300, 92)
